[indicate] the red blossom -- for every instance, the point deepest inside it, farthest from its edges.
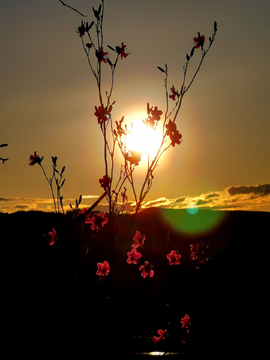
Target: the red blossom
(121, 50)
(197, 254)
(133, 256)
(194, 250)
(35, 159)
(103, 269)
(147, 270)
(156, 339)
(97, 221)
(174, 258)
(134, 157)
(199, 41)
(102, 113)
(52, 236)
(105, 182)
(138, 240)
(81, 29)
(174, 93)
(173, 133)
(153, 116)
(185, 321)
(161, 336)
(101, 56)
(156, 113)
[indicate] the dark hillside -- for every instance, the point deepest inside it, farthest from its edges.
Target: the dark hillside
(53, 291)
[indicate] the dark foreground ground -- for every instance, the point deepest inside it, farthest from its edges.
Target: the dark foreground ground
(55, 304)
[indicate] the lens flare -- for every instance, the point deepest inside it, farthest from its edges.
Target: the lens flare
(193, 221)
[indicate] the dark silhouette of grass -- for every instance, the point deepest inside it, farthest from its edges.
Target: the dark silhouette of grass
(54, 293)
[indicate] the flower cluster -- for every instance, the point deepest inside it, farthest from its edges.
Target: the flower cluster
(133, 156)
(197, 254)
(102, 113)
(84, 27)
(105, 182)
(153, 116)
(146, 269)
(185, 322)
(173, 133)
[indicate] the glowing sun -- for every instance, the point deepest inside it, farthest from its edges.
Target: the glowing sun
(145, 139)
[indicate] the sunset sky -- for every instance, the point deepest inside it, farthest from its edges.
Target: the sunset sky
(48, 98)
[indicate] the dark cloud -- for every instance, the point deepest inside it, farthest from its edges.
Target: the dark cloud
(261, 190)
(21, 207)
(6, 199)
(212, 195)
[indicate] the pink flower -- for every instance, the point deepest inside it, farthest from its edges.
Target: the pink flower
(97, 221)
(173, 258)
(133, 256)
(199, 41)
(52, 236)
(138, 240)
(161, 336)
(103, 269)
(185, 321)
(35, 159)
(121, 51)
(146, 270)
(156, 339)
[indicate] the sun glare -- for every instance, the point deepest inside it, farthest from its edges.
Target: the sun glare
(145, 139)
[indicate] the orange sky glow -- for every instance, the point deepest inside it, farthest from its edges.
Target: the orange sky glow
(48, 97)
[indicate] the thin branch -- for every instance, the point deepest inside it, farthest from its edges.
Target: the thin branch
(72, 8)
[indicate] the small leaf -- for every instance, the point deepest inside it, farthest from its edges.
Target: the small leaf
(90, 26)
(110, 47)
(162, 70)
(63, 169)
(80, 199)
(99, 10)
(62, 183)
(215, 26)
(192, 51)
(188, 58)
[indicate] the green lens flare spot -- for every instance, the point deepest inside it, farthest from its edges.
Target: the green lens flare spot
(193, 221)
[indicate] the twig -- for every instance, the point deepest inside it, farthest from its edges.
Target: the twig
(72, 8)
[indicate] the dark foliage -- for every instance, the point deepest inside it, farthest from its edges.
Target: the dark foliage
(53, 297)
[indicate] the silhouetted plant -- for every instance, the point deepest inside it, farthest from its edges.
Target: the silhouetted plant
(55, 181)
(114, 135)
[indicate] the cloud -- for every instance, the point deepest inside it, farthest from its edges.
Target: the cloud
(241, 197)
(260, 190)
(13, 204)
